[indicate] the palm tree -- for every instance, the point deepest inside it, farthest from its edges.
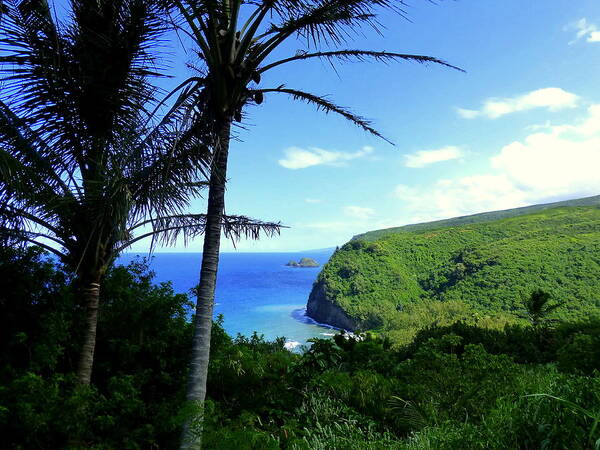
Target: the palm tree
(538, 307)
(85, 170)
(234, 53)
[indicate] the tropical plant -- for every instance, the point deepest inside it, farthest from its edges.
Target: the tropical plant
(234, 41)
(580, 411)
(538, 307)
(84, 165)
(81, 166)
(454, 387)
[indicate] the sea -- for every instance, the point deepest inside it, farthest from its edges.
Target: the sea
(256, 292)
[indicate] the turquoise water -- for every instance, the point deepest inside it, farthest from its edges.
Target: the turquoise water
(255, 291)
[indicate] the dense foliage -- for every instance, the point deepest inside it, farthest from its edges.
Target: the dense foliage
(480, 272)
(142, 351)
(453, 387)
(86, 169)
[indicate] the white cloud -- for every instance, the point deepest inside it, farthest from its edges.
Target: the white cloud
(313, 200)
(553, 99)
(587, 127)
(423, 158)
(586, 30)
(539, 126)
(459, 197)
(359, 212)
(468, 113)
(299, 158)
(339, 231)
(559, 163)
(326, 226)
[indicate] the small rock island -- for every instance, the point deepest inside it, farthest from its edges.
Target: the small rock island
(304, 262)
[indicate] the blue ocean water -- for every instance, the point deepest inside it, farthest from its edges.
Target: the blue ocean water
(255, 291)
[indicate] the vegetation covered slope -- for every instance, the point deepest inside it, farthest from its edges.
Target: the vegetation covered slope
(479, 218)
(479, 271)
(453, 388)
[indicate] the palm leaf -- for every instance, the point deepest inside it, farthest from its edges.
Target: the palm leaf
(327, 106)
(168, 229)
(321, 22)
(360, 56)
(595, 417)
(408, 413)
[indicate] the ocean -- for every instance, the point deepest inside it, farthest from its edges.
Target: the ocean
(255, 291)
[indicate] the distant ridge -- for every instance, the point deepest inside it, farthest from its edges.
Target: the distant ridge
(478, 218)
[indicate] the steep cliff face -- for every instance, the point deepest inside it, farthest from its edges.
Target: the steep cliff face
(324, 310)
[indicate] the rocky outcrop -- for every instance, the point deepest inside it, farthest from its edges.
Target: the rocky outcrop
(304, 262)
(323, 310)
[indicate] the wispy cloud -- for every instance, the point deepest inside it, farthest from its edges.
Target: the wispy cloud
(299, 158)
(585, 30)
(557, 163)
(468, 113)
(359, 212)
(553, 99)
(331, 226)
(424, 158)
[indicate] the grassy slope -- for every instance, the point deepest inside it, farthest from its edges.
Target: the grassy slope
(477, 271)
(479, 218)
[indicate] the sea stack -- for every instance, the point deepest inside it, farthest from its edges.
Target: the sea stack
(304, 262)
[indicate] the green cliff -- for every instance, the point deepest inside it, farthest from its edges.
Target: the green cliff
(476, 268)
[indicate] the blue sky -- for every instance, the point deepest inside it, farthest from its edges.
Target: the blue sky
(521, 126)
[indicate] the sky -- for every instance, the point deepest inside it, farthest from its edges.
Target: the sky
(521, 126)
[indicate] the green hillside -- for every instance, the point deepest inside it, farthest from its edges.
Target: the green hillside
(479, 272)
(479, 218)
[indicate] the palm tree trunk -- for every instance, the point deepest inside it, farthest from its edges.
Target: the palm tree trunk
(91, 296)
(196, 390)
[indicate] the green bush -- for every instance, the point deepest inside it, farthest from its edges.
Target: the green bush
(140, 359)
(457, 386)
(581, 354)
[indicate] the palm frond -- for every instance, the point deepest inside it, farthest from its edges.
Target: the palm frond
(186, 90)
(236, 227)
(322, 22)
(167, 230)
(327, 106)
(168, 171)
(360, 55)
(19, 141)
(249, 30)
(407, 413)
(11, 216)
(14, 236)
(82, 154)
(22, 188)
(90, 76)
